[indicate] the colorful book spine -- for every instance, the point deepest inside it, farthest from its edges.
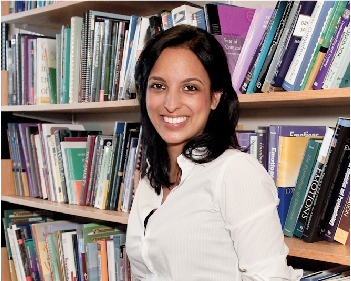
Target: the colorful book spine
(334, 42)
(342, 234)
(305, 50)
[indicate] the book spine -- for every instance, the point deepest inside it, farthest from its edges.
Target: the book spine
(340, 60)
(99, 27)
(60, 165)
(269, 57)
(343, 230)
(92, 172)
(212, 19)
(338, 204)
(334, 42)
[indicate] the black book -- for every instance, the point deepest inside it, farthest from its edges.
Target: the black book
(337, 155)
(4, 38)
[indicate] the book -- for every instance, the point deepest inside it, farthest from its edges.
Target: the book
(308, 162)
(251, 77)
(232, 35)
(253, 37)
(325, 43)
(87, 169)
(111, 264)
(66, 57)
(336, 158)
(343, 229)
(339, 62)
(75, 162)
(198, 17)
(69, 255)
(285, 130)
(299, 64)
(75, 58)
(345, 80)
(274, 44)
(183, 14)
(312, 184)
(102, 260)
(118, 241)
(97, 60)
(334, 42)
(92, 261)
(262, 145)
(291, 151)
(337, 203)
(50, 59)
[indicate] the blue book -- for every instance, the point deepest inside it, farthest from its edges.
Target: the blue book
(277, 15)
(93, 263)
(118, 241)
(199, 17)
(306, 48)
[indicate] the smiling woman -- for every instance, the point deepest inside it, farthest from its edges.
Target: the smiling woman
(203, 209)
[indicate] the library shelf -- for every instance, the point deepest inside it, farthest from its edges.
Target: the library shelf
(327, 98)
(321, 251)
(74, 210)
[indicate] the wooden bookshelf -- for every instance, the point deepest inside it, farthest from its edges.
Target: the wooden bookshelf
(74, 210)
(326, 98)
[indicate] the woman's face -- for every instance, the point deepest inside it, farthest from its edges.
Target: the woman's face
(178, 97)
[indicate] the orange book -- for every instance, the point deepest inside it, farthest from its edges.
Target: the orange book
(102, 260)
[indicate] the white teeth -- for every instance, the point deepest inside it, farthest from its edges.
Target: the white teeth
(174, 120)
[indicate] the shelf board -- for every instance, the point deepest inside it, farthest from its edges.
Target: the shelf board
(311, 98)
(327, 98)
(75, 210)
(55, 15)
(321, 251)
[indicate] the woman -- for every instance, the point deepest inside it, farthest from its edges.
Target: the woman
(203, 210)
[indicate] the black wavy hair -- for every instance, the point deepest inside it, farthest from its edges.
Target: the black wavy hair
(219, 133)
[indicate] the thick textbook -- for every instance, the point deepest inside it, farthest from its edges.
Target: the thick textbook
(308, 162)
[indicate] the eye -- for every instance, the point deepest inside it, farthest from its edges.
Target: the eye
(190, 88)
(157, 87)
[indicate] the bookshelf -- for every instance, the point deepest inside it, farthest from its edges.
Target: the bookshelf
(50, 18)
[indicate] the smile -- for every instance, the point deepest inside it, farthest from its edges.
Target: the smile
(176, 120)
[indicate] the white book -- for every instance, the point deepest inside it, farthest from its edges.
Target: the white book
(253, 145)
(128, 180)
(74, 64)
(70, 190)
(123, 67)
(56, 171)
(68, 254)
(304, 44)
(111, 260)
(15, 253)
(183, 15)
(43, 94)
(340, 62)
(40, 165)
(100, 188)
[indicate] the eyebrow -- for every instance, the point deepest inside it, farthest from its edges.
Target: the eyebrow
(190, 79)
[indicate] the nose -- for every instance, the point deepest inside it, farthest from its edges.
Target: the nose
(172, 100)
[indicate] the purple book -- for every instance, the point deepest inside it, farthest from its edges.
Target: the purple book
(253, 38)
(285, 130)
(334, 42)
(234, 23)
(22, 134)
(26, 83)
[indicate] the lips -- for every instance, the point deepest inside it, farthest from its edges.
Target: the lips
(175, 120)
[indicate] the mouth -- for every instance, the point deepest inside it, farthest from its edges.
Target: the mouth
(175, 120)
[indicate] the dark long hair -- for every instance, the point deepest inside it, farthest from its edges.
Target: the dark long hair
(219, 133)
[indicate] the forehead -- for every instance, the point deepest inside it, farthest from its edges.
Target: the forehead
(178, 61)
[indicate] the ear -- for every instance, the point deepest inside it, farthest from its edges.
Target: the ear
(216, 99)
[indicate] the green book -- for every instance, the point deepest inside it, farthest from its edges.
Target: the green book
(323, 44)
(306, 169)
(75, 162)
(52, 257)
(50, 58)
(65, 67)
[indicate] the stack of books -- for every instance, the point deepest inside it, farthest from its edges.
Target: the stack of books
(75, 164)
(40, 248)
(20, 6)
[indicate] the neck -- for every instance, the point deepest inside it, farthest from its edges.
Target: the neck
(175, 172)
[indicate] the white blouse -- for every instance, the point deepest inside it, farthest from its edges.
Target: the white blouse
(220, 223)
